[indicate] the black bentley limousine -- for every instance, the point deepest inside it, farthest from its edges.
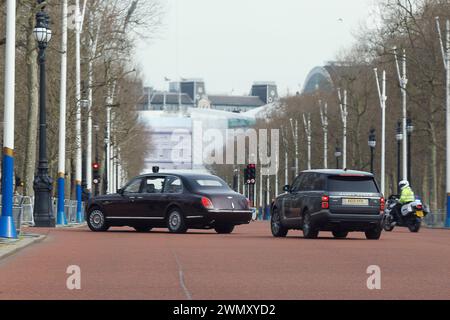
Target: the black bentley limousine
(176, 201)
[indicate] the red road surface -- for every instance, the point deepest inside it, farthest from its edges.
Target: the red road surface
(249, 264)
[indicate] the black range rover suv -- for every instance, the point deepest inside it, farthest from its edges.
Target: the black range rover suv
(340, 201)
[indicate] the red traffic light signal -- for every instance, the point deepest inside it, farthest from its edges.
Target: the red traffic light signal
(96, 166)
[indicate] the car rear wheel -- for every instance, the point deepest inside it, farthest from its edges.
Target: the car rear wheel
(278, 231)
(143, 229)
(176, 222)
(224, 229)
(374, 234)
(96, 220)
(309, 230)
(340, 234)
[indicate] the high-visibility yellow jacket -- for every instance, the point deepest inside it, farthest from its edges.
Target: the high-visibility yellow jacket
(407, 196)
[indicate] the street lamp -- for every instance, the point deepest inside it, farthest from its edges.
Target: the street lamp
(399, 138)
(43, 184)
(409, 130)
(372, 146)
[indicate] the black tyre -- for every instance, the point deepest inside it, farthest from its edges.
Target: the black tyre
(309, 230)
(143, 229)
(278, 231)
(176, 222)
(388, 227)
(374, 234)
(415, 226)
(96, 220)
(340, 234)
(387, 224)
(224, 229)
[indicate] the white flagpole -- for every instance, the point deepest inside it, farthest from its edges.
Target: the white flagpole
(7, 228)
(61, 217)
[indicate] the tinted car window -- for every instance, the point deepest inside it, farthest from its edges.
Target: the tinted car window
(153, 185)
(208, 183)
(307, 182)
(318, 182)
(134, 186)
(173, 185)
(296, 184)
(352, 184)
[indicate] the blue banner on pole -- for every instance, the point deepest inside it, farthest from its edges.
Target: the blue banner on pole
(7, 227)
(61, 216)
(447, 221)
(79, 204)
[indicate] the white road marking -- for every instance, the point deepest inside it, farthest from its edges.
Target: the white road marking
(181, 277)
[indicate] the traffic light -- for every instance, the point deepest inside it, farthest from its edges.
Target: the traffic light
(250, 177)
(246, 176)
(96, 172)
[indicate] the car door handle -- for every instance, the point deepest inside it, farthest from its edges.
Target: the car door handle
(140, 198)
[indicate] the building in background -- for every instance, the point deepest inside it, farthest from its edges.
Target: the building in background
(329, 77)
(191, 93)
(164, 101)
(174, 116)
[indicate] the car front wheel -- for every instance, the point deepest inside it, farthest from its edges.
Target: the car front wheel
(96, 220)
(278, 231)
(176, 222)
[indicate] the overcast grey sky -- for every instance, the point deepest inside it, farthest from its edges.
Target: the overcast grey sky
(232, 43)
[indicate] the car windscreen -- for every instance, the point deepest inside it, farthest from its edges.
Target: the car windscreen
(363, 184)
(208, 183)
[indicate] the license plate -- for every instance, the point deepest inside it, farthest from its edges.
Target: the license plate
(420, 214)
(355, 202)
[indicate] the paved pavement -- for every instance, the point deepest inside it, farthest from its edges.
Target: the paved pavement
(249, 264)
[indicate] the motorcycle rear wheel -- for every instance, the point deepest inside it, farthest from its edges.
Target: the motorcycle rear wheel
(414, 227)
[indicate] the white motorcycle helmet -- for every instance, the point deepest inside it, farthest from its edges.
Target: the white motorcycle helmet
(403, 184)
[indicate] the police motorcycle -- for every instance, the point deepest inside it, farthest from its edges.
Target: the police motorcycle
(411, 215)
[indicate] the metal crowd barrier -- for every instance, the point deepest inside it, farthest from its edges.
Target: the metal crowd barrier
(23, 207)
(436, 219)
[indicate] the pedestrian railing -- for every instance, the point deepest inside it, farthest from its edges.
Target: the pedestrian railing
(70, 209)
(27, 207)
(23, 208)
(436, 219)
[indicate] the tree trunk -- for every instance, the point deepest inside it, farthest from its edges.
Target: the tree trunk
(32, 119)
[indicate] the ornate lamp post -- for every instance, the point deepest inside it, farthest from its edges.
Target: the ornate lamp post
(372, 146)
(43, 209)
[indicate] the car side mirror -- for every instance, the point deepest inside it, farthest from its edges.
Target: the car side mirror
(120, 191)
(287, 188)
